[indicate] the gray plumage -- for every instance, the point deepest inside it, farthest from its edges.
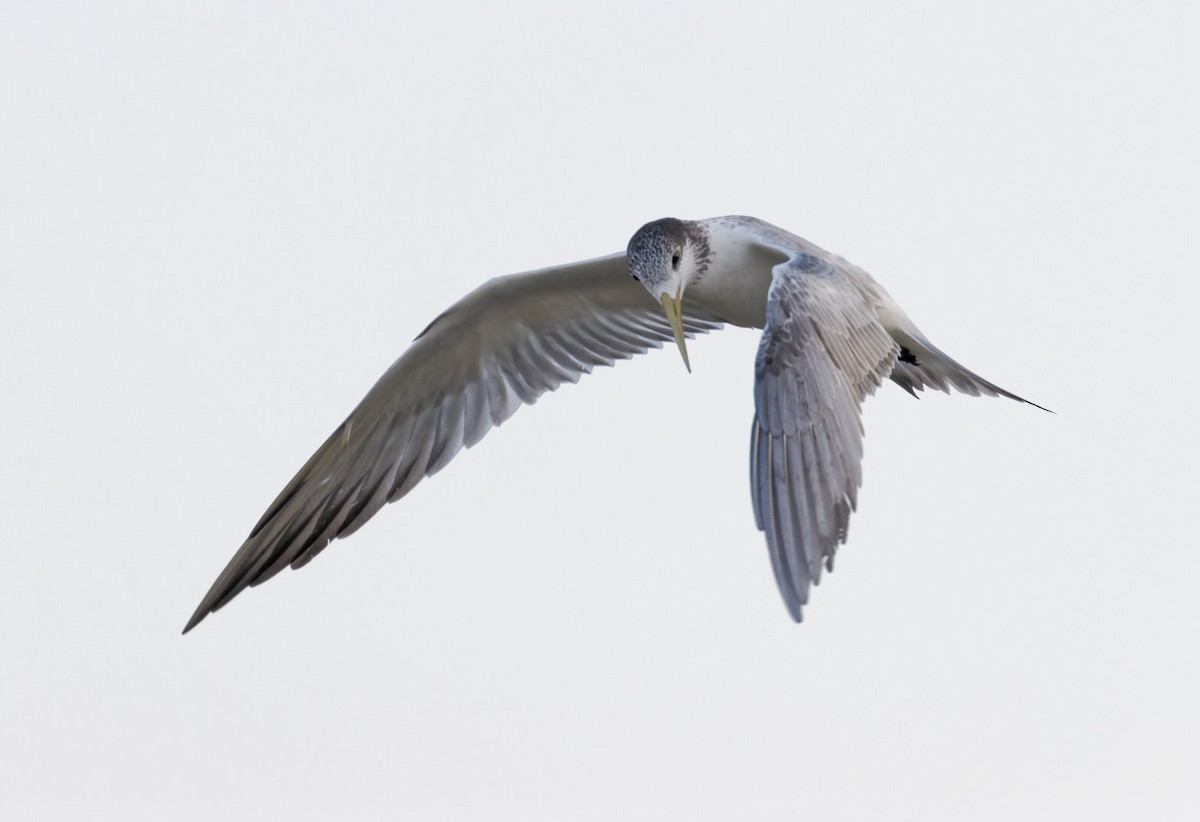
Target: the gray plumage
(831, 336)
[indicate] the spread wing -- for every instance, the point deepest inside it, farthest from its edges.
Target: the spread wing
(502, 345)
(822, 353)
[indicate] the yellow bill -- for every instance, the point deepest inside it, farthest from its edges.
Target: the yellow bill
(674, 312)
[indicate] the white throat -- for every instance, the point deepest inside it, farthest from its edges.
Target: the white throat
(734, 286)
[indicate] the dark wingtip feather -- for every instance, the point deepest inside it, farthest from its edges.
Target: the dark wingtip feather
(196, 619)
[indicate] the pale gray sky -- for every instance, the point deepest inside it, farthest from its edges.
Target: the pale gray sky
(219, 225)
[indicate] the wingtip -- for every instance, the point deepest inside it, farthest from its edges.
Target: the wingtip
(1027, 402)
(196, 619)
(795, 610)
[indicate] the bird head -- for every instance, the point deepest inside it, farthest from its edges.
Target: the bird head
(664, 256)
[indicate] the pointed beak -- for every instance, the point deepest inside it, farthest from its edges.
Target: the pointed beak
(672, 308)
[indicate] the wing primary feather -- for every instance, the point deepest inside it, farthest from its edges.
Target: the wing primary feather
(779, 557)
(755, 497)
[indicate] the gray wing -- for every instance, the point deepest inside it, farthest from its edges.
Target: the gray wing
(921, 364)
(502, 345)
(822, 353)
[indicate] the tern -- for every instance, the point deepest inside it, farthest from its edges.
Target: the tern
(831, 335)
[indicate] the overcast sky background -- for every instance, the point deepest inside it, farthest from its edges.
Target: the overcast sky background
(219, 225)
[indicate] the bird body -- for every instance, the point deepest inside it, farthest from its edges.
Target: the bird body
(831, 336)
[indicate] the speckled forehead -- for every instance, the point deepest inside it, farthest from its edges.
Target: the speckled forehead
(657, 239)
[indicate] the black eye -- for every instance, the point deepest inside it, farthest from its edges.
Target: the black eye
(636, 277)
(675, 261)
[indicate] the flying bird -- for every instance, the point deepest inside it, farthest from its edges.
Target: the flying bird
(831, 335)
